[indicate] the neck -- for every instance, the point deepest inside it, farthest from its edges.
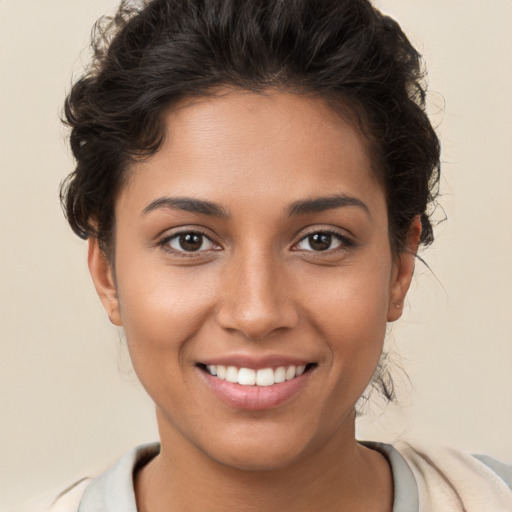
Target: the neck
(339, 476)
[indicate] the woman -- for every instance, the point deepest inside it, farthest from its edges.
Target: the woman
(254, 181)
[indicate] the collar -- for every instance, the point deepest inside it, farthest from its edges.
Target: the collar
(113, 491)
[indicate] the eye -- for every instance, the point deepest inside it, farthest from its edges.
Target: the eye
(190, 241)
(321, 241)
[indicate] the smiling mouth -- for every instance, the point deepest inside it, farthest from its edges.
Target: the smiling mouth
(261, 377)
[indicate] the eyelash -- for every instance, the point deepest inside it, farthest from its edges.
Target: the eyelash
(165, 243)
(344, 242)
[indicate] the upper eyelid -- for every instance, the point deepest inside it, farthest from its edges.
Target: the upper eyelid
(170, 233)
(300, 236)
(346, 242)
(319, 227)
(166, 238)
(341, 233)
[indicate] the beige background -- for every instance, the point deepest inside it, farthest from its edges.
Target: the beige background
(69, 403)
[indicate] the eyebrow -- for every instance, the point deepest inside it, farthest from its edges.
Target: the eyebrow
(187, 204)
(320, 204)
(302, 207)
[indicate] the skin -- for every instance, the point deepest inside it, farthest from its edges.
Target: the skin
(256, 287)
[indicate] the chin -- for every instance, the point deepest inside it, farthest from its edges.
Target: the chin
(262, 449)
(258, 458)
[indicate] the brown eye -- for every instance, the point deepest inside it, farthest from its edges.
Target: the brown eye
(321, 241)
(191, 242)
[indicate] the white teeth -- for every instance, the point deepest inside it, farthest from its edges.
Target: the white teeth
(246, 377)
(265, 377)
(290, 372)
(232, 374)
(280, 375)
(250, 377)
(221, 372)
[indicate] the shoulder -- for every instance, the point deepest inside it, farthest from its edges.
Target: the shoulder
(113, 487)
(503, 470)
(449, 476)
(112, 490)
(446, 459)
(69, 499)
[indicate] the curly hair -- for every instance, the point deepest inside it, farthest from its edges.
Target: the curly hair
(152, 54)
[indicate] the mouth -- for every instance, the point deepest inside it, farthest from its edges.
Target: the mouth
(256, 383)
(262, 377)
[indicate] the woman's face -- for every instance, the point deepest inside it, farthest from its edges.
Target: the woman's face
(255, 239)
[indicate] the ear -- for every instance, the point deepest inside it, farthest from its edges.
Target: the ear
(104, 282)
(403, 269)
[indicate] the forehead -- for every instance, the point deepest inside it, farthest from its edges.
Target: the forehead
(243, 144)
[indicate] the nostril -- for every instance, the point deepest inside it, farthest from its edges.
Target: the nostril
(257, 321)
(255, 300)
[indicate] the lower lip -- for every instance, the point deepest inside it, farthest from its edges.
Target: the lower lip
(254, 398)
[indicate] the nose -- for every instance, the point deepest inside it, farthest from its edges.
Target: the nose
(257, 299)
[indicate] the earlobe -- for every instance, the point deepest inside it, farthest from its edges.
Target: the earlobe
(403, 270)
(104, 282)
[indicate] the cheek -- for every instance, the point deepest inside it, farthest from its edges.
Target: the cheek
(161, 310)
(161, 315)
(349, 310)
(351, 301)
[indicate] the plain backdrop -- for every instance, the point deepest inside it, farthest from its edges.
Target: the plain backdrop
(69, 402)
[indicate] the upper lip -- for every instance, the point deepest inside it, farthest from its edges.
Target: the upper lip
(255, 363)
